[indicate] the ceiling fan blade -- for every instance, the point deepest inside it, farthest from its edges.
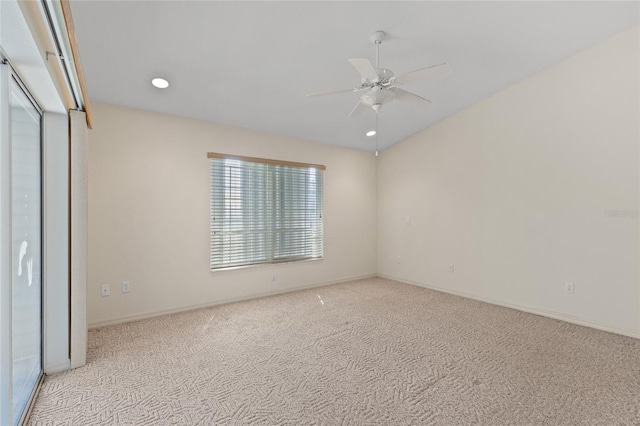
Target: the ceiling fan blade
(358, 109)
(335, 92)
(425, 74)
(410, 98)
(366, 70)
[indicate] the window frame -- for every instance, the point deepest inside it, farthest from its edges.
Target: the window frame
(274, 173)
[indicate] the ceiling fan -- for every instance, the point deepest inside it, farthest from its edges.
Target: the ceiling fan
(379, 86)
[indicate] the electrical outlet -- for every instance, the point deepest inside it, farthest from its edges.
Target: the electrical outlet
(274, 277)
(569, 287)
(105, 290)
(398, 260)
(452, 267)
(126, 286)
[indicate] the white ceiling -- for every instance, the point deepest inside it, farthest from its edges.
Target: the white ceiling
(250, 64)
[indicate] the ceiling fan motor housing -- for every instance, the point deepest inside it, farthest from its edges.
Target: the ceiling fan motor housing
(384, 77)
(378, 93)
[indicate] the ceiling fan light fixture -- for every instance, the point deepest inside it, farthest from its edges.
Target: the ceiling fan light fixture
(160, 83)
(371, 133)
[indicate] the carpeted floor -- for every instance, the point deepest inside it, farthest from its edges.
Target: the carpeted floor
(366, 352)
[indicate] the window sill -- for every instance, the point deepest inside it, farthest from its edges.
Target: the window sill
(269, 264)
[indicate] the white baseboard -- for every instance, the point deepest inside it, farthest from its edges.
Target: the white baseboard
(146, 315)
(629, 332)
(57, 367)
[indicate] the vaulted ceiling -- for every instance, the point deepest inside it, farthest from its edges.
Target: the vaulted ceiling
(250, 64)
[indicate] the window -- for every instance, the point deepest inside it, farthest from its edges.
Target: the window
(264, 211)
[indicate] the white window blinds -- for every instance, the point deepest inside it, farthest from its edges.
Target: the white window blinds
(264, 211)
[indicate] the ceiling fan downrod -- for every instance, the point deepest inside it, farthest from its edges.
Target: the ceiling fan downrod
(376, 38)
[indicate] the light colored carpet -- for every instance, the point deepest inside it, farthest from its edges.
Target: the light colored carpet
(367, 352)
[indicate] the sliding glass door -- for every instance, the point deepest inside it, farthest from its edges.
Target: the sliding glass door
(26, 227)
(22, 255)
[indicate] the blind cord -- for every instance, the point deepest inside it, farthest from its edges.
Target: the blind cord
(376, 133)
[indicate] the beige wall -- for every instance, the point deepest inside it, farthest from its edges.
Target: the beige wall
(149, 214)
(513, 192)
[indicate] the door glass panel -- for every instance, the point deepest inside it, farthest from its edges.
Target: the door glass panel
(26, 243)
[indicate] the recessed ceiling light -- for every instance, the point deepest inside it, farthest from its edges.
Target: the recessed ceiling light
(371, 132)
(160, 83)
